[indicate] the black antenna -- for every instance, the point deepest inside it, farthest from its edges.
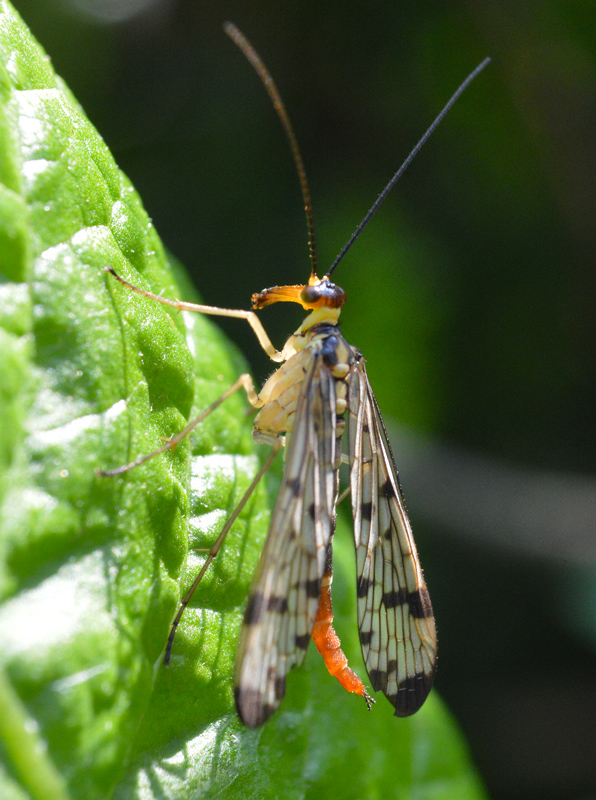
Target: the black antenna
(407, 163)
(251, 54)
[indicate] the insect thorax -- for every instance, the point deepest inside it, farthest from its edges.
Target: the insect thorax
(281, 391)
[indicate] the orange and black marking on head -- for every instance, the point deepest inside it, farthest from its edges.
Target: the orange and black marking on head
(317, 293)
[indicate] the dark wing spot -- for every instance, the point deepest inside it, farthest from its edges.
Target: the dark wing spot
(419, 604)
(250, 707)
(312, 588)
(393, 599)
(311, 510)
(294, 486)
(255, 609)
(280, 688)
(365, 637)
(387, 489)
(366, 510)
(363, 587)
(329, 560)
(279, 605)
(378, 679)
(412, 693)
(302, 641)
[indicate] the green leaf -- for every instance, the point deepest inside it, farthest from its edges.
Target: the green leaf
(92, 569)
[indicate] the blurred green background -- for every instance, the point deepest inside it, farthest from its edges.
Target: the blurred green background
(472, 294)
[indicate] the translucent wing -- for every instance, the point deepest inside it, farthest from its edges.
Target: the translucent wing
(285, 593)
(395, 617)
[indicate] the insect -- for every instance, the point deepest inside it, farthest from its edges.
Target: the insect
(319, 393)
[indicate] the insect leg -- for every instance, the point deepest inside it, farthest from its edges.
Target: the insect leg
(214, 549)
(244, 382)
(343, 495)
(249, 316)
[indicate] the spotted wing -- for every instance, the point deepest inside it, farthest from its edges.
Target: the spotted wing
(285, 593)
(395, 617)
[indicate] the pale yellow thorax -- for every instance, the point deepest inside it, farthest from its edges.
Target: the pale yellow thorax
(280, 393)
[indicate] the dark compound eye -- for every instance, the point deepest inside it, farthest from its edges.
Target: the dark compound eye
(324, 293)
(310, 294)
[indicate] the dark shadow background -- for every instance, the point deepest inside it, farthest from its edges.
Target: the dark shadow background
(472, 294)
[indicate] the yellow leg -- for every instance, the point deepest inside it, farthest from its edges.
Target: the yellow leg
(214, 549)
(249, 316)
(244, 382)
